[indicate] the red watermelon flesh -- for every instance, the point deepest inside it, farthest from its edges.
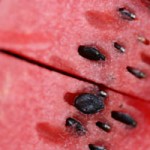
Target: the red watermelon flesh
(35, 103)
(146, 2)
(51, 32)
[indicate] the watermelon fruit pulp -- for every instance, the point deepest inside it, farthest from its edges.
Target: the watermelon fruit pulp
(51, 33)
(35, 103)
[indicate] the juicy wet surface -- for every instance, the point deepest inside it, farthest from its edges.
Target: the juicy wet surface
(35, 117)
(46, 31)
(33, 114)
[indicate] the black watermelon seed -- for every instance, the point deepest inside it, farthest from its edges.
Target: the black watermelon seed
(104, 126)
(136, 72)
(119, 47)
(90, 53)
(124, 118)
(103, 94)
(95, 147)
(126, 14)
(76, 125)
(89, 103)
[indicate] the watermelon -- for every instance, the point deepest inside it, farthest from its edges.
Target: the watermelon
(52, 33)
(38, 112)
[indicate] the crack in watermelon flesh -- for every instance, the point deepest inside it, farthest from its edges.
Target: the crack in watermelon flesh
(51, 32)
(35, 103)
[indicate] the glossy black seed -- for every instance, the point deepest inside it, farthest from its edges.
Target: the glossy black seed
(136, 72)
(103, 94)
(95, 147)
(124, 118)
(104, 126)
(126, 14)
(119, 47)
(90, 53)
(89, 103)
(76, 125)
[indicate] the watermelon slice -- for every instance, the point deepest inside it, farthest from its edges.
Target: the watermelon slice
(37, 112)
(52, 32)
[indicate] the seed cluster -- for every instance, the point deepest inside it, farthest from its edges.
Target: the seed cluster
(92, 53)
(88, 103)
